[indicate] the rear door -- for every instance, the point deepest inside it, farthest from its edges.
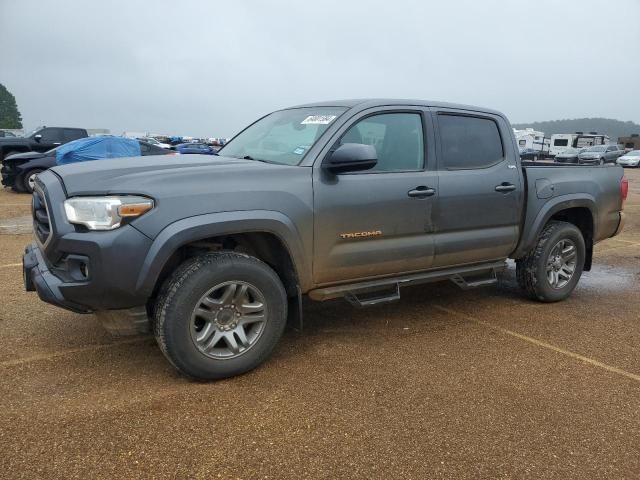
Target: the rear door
(377, 222)
(480, 196)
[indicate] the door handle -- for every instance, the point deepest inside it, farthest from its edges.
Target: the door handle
(505, 187)
(421, 192)
(57, 143)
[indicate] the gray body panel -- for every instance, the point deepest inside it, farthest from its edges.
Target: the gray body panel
(466, 222)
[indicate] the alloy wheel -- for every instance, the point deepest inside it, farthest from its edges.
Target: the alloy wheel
(228, 320)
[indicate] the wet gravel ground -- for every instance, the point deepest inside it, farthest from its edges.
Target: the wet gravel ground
(445, 384)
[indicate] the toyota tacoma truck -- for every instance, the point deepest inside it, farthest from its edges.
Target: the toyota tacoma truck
(344, 199)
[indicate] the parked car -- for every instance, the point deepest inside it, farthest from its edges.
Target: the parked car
(155, 142)
(600, 154)
(348, 199)
(530, 154)
(630, 159)
(41, 140)
(569, 155)
(201, 148)
(7, 134)
(19, 170)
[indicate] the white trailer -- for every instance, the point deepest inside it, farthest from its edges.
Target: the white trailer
(561, 141)
(534, 139)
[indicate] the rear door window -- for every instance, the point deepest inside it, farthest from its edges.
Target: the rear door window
(70, 134)
(468, 142)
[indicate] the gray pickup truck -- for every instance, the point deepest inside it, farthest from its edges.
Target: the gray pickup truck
(350, 199)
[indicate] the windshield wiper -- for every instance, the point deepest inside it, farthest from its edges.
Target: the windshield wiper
(249, 157)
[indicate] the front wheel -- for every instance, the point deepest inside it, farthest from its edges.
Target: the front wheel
(601, 161)
(28, 182)
(220, 315)
(552, 269)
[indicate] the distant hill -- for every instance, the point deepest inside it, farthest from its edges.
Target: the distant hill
(608, 126)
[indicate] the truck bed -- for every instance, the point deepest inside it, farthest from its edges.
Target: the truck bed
(552, 186)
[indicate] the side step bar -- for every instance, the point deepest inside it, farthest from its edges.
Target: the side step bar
(384, 290)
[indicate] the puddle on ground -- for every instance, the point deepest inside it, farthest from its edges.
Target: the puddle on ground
(608, 277)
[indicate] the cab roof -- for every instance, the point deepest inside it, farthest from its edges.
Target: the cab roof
(364, 103)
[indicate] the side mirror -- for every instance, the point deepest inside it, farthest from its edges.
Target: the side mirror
(351, 157)
(37, 137)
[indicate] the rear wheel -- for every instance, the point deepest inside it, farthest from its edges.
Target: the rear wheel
(552, 269)
(220, 315)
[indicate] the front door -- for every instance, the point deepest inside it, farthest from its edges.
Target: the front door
(479, 204)
(377, 222)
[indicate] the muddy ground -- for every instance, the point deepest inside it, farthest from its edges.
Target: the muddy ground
(445, 384)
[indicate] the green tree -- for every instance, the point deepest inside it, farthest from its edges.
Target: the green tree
(9, 115)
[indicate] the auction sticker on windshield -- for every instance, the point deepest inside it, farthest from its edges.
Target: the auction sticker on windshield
(318, 119)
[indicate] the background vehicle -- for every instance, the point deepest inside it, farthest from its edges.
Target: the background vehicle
(569, 155)
(41, 140)
(19, 170)
(531, 154)
(629, 159)
(154, 142)
(196, 148)
(533, 140)
(631, 142)
(600, 154)
(348, 199)
(561, 141)
(7, 134)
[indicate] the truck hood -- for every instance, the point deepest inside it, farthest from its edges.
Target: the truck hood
(23, 157)
(184, 186)
(156, 174)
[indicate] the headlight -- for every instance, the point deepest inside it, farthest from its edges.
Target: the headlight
(105, 213)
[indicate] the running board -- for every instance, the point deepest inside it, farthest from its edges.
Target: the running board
(475, 281)
(369, 292)
(373, 298)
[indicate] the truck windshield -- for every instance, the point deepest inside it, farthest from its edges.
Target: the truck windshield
(282, 137)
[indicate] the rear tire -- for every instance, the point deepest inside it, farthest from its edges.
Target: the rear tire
(541, 268)
(188, 339)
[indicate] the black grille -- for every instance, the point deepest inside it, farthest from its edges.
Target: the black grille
(41, 225)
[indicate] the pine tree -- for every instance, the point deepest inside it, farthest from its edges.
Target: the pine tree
(9, 115)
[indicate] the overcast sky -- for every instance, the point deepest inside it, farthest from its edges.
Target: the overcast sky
(209, 67)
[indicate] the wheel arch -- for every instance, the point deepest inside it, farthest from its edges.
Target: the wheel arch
(270, 236)
(577, 210)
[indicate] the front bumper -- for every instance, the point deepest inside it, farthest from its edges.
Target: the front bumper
(38, 278)
(81, 270)
(8, 176)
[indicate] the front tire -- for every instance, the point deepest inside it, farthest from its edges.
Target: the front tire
(219, 315)
(28, 180)
(552, 269)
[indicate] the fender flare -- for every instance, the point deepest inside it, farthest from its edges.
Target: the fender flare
(199, 227)
(531, 232)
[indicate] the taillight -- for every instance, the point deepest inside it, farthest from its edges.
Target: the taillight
(624, 188)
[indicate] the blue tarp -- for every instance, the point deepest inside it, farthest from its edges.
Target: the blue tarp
(97, 148)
